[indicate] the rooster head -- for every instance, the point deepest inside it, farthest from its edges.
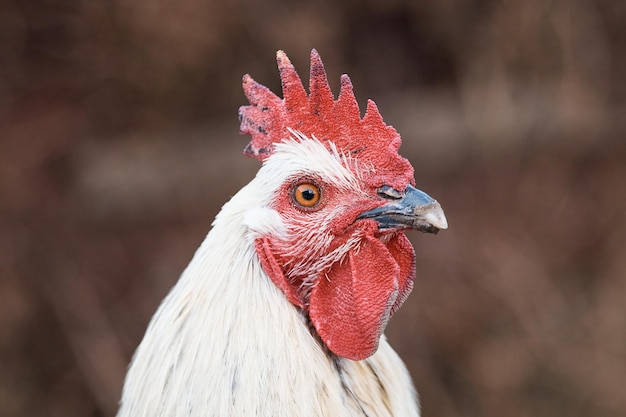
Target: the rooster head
(331, 235)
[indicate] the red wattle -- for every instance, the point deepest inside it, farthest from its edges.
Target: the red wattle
(351, 305)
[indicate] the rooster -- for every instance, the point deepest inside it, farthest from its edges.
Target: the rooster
(282, 309)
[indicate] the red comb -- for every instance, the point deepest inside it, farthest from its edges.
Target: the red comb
(318, 114)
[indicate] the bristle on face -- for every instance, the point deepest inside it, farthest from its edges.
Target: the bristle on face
(368, 139)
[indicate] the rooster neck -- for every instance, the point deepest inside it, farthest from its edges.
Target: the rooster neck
(226, 341)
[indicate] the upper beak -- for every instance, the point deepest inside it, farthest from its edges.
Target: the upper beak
(413, 209)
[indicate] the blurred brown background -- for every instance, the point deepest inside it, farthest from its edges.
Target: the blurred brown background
(119, 142)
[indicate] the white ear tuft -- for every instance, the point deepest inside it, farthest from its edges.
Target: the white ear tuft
(264, 221)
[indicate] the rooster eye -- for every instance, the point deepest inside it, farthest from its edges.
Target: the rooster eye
(307, 195)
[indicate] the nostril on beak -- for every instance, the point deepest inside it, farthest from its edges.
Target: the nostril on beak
(390, 193)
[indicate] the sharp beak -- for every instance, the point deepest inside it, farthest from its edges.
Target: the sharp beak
(411, 209)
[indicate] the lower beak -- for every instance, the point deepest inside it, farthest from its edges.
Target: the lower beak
(412, 209)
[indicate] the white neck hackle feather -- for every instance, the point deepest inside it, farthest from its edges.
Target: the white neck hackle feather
(227, 342)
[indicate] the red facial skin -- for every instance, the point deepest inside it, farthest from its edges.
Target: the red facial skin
(347, 276)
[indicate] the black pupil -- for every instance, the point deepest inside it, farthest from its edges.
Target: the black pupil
(308, 194)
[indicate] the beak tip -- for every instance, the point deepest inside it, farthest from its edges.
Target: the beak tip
(436, 217)
(443, 222)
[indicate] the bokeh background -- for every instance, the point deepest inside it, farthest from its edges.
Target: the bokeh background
(119, 143)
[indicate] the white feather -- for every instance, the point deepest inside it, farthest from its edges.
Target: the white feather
(226, 342)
